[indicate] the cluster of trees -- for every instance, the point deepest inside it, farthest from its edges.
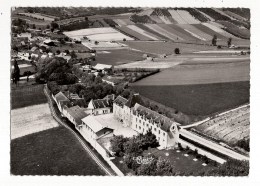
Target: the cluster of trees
(141, 19)
(20, 26)
(110, 22)
(195, 14)
(244, 144)
(133, 148)
(215, 15)
(55, 69)
(16, 73)
(76, 25)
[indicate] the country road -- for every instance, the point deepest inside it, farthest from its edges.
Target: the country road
(212, 145)
(87, 148)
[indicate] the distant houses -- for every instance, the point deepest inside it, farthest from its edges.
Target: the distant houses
(101, 106)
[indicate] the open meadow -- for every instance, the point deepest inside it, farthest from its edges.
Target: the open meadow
(51, 152)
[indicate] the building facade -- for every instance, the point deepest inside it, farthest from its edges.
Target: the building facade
(141, 119)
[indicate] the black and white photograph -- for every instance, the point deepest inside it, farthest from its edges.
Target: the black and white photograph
(130, 91)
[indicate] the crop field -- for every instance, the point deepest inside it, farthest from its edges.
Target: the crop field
(38, 16)
(98, 34)
(162, 31)
(229, 127)
(199, 100)
(31, 119)
(23, 96)
(143, 32)
(147, 64)
(51, 152)
(177, 17)
(235, 30)
(159, 47)
(202, 71)
(133, 33)
(117, 57)
(185, 15)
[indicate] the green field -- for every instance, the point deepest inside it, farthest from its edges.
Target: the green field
(23, 96)
(202, 99)
(51, 152)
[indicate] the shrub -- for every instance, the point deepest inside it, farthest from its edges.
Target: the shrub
(177, 51)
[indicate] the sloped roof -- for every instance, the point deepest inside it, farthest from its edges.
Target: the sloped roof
(77, 113)
(102, 103)
(102, 66)
(120, 100)
(135, 98)
(92, 123)
(164, 121)
(61, 97)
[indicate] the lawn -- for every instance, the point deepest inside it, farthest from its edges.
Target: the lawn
(116, 57)
(200, 99)
(51, 152)
(23, 96)
(181, 163)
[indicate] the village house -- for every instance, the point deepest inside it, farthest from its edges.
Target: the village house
(61, 100)
(103, 68)
(132, 114)
(74, 115)
(101, 106)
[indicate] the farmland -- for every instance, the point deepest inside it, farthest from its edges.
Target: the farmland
(200, 99)
(27, 95)
(23, 122)
(166, 47)
(98, 34)
(229, 127)
(201, 71)
(117, 57)
(51, 152)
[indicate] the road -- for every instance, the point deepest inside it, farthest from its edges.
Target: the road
(212, 145)
(87, 149)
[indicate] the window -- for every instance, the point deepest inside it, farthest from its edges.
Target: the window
(147, 124)
(136, 126)
(143, 123)
(159, 131)
(139, 121)
(158, 138)
(139, 127)
(154, 129)
(136, 119)
(164, 134)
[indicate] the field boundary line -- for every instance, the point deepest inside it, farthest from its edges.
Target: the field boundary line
(94, 157)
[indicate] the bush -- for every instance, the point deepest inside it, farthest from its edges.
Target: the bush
(177, 51)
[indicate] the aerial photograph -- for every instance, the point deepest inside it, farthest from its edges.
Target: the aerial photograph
(130, 91)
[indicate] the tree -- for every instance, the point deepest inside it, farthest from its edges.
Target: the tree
(73, 54)
(33, 26)
(147, 169)
(54, 25)
(214, 40)
(48, 26)
(229, 42)
(177, 51)
(133, 147)
(16, 73)
(163, 167)
(86, 18)
(124, 39)
(117, 145)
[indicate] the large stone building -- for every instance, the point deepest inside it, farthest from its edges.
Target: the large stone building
(141, 119)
